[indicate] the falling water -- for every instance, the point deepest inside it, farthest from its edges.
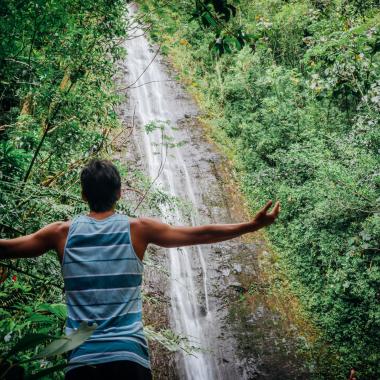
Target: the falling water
(152, 98)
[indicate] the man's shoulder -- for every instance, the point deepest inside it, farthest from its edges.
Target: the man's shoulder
(60, 228)
(144, 221)
(56, 234)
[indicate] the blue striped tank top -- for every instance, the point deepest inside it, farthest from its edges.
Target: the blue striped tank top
(102, 276)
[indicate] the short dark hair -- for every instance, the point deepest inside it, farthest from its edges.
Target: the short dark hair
(101, 184)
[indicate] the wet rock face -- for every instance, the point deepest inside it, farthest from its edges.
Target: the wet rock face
(205, 295)
(156, 314)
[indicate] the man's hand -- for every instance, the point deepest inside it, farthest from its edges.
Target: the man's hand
(264, 218)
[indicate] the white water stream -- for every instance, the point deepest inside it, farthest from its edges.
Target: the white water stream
(152, 98)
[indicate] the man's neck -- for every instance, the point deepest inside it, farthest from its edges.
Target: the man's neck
(102, 214)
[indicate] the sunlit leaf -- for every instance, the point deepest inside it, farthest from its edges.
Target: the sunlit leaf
(69, 342)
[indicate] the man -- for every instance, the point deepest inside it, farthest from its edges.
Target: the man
(101, 255)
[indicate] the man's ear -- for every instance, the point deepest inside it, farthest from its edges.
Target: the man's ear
(84, 197)
(119, 194)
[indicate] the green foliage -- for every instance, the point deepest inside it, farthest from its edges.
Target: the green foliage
(58, 346)
(218, 16)
(301, 107)
(28, 327)
(57, 102)
(170, 340)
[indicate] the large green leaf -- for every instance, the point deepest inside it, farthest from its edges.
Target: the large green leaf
(39, 318)
(67, 343)
(58, 309)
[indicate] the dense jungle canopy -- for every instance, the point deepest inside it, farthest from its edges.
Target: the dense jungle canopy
(291, 93)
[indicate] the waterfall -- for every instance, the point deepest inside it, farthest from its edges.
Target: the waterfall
(153, 97)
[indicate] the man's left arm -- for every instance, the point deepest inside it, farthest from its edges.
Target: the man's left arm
(32, 245)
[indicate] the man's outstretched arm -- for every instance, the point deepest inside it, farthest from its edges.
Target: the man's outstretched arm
(32, 245)
(164, 235)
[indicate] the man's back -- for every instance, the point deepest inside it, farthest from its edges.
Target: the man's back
(103, 276)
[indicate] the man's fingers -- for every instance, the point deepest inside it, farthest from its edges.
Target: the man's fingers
(266, 207)
(276, 209)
